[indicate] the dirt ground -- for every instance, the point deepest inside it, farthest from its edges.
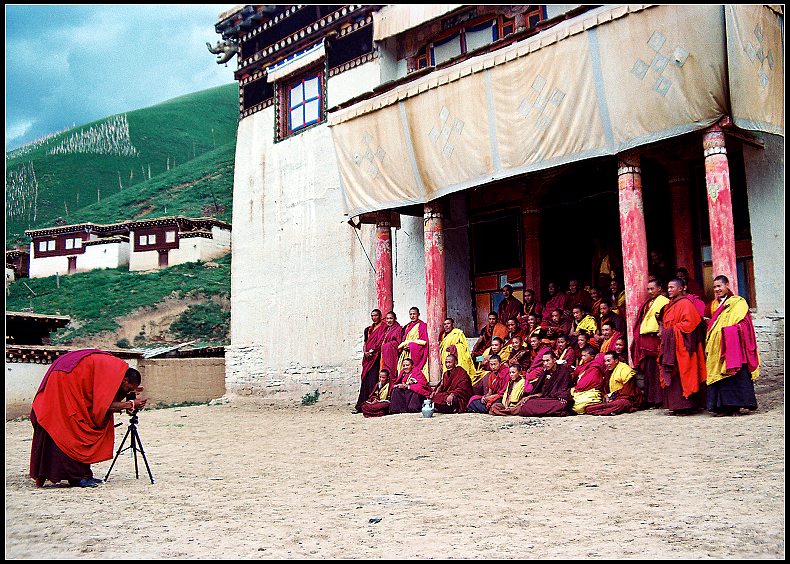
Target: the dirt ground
(253, 479)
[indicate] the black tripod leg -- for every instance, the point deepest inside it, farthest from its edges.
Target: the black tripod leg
(120, 449)
(142, 452)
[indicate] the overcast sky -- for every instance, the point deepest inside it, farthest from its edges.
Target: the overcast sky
(70, 65)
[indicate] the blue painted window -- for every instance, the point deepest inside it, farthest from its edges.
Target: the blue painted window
(304, 103)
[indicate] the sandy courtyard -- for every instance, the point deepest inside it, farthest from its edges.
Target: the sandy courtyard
(255, 480)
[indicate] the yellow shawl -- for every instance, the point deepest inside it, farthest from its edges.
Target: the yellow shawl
(588, 324)
(456, 337)
(736, 310)
(513, 393)
(621, 374)
(649, 322)
(414, 335)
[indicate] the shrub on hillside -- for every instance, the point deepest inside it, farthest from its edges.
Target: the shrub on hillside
(206, 321)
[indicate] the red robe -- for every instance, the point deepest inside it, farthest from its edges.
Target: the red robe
(510, 308)
(389, 348)
(374, 336)
(73, 403)
(557, 301)
(458, 383)
(682, 345)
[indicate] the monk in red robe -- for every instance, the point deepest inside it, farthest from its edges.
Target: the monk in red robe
(493, 329)
(576, 296)
(565, 353)
(609, 336)
(607, 315)
(378, 403)
(371, 357)
(510, 307)
(519, 354)
(72, 415)
(513, 330)
(455, 389)
(558, 324)
(682, 352)
(531, 305)
(621, 394)
(556, 301)
(588, 378)
(535, 367)
(595, 301)
(410, 390)
(415, 343)
(644, 349)
(393, 335)
(551, 394)
(490, 388)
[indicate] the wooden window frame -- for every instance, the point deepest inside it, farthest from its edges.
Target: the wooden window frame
(283, 127)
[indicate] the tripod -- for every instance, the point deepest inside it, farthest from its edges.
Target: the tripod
(135, 445)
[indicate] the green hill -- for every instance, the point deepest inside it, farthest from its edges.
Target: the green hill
(174, 158)
(127, 166)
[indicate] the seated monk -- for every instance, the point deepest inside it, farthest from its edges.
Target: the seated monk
(621, 348)
(551, 394)
(453, 340)
(513, 330)
(484, 368)
(510, 306)
(378, 403)
(607, 315)
(621, 394)
(533, 327)
(617, 297)
(589, 377)
(513, 394)
(583, 341)
(454, 390)
(582, 323)
(409, 390)
(556, 301)
(609, 337)
(516, 352)
(490, 388)
(531, 305)
(595, 301)
(565, 353)
(576, 296)
(493, 329)
(538, 349)
(557, 325)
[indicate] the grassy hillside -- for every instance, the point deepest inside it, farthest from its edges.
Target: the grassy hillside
(127, 166)
(96, 300)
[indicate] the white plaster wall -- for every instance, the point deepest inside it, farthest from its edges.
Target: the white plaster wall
(765, 179)
(221, 237)
(110, 255)
(144, 260)
(301, 285)
(9, 276)
(351, 83)
(408, 268)
(48, 266)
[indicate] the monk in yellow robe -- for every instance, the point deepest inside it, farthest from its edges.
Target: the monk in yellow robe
(732, 359)
(454, 338)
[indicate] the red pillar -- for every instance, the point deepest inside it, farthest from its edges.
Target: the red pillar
(384, 264)
(530, 219)
(717, 182)
(680, 198)
(435, 288)
(633, 236)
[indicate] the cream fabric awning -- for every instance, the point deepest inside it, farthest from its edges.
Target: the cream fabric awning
(394, 19)
(607, 81)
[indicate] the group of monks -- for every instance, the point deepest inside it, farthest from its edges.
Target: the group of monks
(570, 356)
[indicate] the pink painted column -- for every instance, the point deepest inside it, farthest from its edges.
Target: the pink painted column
(384, 264)
(633, 236)
(435, 285)
(680, 198)
(530, 221)
(717, 181)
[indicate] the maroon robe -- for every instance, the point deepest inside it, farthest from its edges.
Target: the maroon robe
(581, 298)
(458, 383)
(557, 301)
(375, 407)
(536, 366)
(568, 355)
(491, 383)
(555, 394)
(626, 400)
(510, 308)
(521, 356)
(589, 376)
(374, 336)
(393, 336)
(644, 353)
(486, 335)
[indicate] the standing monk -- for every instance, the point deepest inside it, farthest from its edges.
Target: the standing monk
(733, 361)
(682, 356)
(415, 343)
(644, 349)
(455, 389)
(531, 305)
(454, 341)
(510, 306)
(393, 334)
(556, 301)
(371, 357)
(72, 415)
